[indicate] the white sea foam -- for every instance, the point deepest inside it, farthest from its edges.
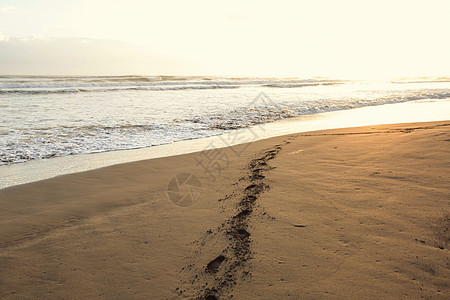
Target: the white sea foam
(44, 117)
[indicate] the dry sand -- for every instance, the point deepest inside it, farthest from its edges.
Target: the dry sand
(344, 213)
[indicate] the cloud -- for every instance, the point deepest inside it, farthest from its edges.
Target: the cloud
(35, 37)
(3, 38)
(5, 9)
(37, 55)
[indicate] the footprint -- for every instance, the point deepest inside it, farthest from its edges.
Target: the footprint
(238, 237)
(247, 201)
(251, 187)
(255, 188)
(261, 160)
(257, 177)
(257, 164)
(213, 266)
(251, 198)
(243, 234)
(243, 214)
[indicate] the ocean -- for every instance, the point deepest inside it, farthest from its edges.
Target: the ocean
(46, 117)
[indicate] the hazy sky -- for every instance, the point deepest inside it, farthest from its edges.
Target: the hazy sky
(238, 38)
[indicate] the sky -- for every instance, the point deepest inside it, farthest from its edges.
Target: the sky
(345, 39)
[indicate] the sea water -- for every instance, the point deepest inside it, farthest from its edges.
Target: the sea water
(47, 117)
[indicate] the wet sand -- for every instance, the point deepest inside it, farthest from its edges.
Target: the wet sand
(344, 213)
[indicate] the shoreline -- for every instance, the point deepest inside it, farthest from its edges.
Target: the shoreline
(350, 212)
(413, 111)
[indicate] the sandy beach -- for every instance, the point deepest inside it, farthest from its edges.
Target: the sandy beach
(345, 213)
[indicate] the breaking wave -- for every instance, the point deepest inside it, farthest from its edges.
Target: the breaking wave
(45, 117)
